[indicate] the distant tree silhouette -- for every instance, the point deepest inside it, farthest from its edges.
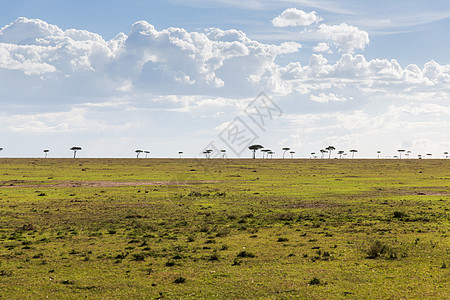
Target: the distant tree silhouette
(408, 153)
(400, 152)
(46, 152)
(330, 149)
(271, 153)
(322, 152)
(138, 152)
(255, 148)
(429, 155)
(146, 153)
(340, 152)
(378, 153)
(207, 153)
(313, 154)
(179, 154)
(292, 153)
(75, 150)
(419, 156)
(446, 154)
(265, 151)
(285, 149)
(223, 152)
(353, 152)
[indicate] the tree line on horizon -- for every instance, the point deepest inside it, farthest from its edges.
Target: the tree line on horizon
(268, 152)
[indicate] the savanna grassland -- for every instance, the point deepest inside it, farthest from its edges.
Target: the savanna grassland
(225, 229)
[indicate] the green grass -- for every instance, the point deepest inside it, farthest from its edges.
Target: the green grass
(227, 229)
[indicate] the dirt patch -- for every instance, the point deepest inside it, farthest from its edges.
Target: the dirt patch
(102, 184)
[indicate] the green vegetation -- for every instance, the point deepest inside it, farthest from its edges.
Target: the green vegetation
(220, 228)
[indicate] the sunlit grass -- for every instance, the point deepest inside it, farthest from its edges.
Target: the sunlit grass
(224, 228)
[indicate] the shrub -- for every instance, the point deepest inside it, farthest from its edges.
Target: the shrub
(378, 249)
(244, 254)
(214, 257)
(138, 256)
(179, 280)
(314, 281)
(400, 214)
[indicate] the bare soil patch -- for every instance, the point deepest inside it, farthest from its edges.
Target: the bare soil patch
(101, 184)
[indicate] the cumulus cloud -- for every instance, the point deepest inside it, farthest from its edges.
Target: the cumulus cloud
(296, 17)
(344, 37)
(325, 98)
(322, 47)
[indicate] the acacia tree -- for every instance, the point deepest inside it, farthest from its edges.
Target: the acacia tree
(400, 151)
(75, 149)
(255, 148)
(313, 154)
(271, 153)
(45, 152)
(340, 152)
(322, 152)
(265, 151)
(378, 153)
(330, 149)
(207, 153)
(292, 153)
(429, 155)
(146, 153)
(223, 152)
(285, 149)
(353, 152)
(138, 152)
(446, 154)
(179, 154)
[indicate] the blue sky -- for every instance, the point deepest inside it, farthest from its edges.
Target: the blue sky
(169, 76)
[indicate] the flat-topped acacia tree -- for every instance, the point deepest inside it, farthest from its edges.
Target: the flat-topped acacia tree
(46, 151)
(285, 149)
(400, 152)
(208, 152)
(255, 148)
(179, 154)
(330, 149)
(353, 152)
(292, 153)
(146, 153)
(138, 152)
(75, 150)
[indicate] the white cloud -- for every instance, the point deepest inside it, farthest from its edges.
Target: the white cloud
(344, 37)
(322, 47)
(325, 98)
(296, 17)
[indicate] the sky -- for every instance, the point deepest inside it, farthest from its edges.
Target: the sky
(176, 76)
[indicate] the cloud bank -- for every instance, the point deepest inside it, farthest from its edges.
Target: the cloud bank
(204, 74)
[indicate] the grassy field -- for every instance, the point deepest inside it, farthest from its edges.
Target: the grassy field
(224, 229)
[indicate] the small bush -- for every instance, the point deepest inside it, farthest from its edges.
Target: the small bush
(314, 281)
(282, 239)
(244, 254)
(400, 214)
(179, 280)
(138, 256)
(214, 257)
(378, 249)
